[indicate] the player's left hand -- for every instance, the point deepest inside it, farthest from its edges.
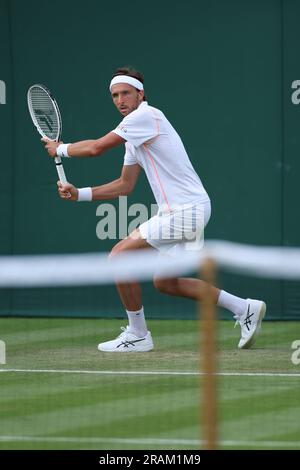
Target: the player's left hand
(67, 191)
(51, 146)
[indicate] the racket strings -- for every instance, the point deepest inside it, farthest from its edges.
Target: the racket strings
(44, 113)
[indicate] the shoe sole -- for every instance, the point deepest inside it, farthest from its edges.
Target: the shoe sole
(252, 339)
(125, 350)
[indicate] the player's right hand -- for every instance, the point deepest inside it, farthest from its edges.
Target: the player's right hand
(67, 191)
(51, 146)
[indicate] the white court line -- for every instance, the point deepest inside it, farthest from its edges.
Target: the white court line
(150, 441)
(158, 372)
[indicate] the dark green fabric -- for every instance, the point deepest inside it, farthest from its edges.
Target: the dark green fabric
(220, 71)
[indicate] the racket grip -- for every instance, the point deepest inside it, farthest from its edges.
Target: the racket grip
(60, 170)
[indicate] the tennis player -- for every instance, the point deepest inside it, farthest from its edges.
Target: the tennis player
(152, 144)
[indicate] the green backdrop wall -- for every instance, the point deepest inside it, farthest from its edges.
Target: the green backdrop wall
(222, 72)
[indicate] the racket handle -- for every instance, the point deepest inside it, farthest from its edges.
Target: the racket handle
(60, 170)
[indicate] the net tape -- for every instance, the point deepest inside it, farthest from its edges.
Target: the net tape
(97, 268)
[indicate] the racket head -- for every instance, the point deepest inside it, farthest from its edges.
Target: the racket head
(44, 112)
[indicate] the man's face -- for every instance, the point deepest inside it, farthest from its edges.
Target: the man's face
(126, 98)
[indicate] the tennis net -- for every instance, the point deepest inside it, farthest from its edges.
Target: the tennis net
(59, 392)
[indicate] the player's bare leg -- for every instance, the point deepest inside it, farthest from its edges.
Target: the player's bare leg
(136, 337)
(185, 287)
(130, 293)
(249, 313)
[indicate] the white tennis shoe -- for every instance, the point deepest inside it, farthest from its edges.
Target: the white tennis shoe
(128, 342)
(250, 322)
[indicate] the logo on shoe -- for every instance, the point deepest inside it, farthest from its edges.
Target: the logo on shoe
(248, 321)
(126, 344)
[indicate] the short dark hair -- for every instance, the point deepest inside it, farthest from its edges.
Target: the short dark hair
(131, 72)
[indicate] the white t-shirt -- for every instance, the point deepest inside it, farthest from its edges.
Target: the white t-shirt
(153, 143)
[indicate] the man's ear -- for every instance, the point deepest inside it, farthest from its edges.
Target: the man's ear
(141, 94)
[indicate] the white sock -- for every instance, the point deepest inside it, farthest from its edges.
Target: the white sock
(137, 322)
(235, 304)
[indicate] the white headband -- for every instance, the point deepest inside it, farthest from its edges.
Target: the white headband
(126, 79)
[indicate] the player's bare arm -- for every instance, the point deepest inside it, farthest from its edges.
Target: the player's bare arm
(86, 148)
(120, 187)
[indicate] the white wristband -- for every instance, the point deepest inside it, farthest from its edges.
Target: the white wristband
(85, 194)
(62, 150)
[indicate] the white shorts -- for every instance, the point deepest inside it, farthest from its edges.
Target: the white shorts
(182, 228)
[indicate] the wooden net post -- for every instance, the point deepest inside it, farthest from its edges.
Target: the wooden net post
(209, 356)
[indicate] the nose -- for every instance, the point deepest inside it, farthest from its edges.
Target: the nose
(120, 100)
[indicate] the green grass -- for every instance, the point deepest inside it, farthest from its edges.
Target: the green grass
(128, 411)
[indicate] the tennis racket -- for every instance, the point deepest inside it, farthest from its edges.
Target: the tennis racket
(45, 115)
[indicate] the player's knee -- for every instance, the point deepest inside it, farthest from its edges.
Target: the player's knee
(164, 286)
(117, 249)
